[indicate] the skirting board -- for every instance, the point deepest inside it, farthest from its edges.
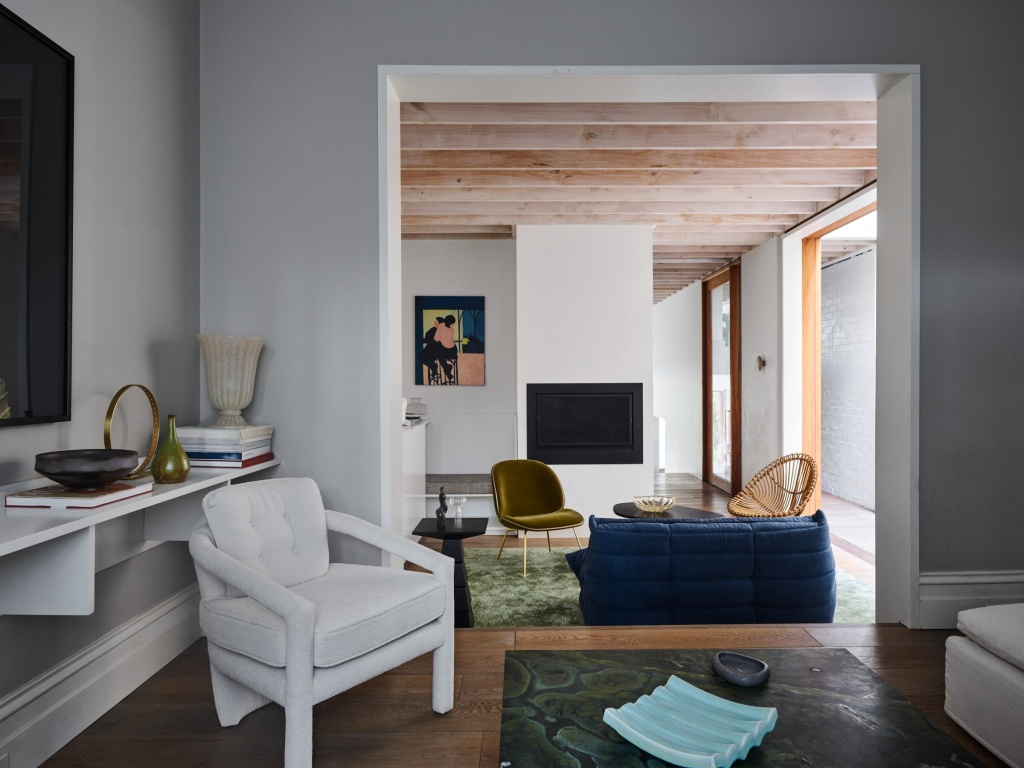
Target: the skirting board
(45, 714)
(945, 593)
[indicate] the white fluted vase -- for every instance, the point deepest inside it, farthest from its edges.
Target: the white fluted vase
(230, 373)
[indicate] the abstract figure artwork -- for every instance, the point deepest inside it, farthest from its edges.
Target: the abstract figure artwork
(449, 340)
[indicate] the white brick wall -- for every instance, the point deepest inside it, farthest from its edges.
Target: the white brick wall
(848, 379)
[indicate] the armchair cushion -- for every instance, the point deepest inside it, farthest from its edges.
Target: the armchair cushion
(355, 613)
(999, 629)
(278, 529)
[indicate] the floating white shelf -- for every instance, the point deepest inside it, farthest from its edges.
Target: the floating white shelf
(48, 556)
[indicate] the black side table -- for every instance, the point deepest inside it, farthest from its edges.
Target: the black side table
(451, 536)
(629, 509)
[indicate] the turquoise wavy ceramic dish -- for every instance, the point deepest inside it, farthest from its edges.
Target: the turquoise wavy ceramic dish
(685, 726)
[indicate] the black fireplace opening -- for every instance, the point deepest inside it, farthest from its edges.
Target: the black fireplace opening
(585, 423)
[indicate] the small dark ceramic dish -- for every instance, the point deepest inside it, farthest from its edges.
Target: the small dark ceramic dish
(740, 670)
(88, 467)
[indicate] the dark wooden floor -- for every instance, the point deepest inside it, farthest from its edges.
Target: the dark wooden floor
(387, 722)
(170, 720)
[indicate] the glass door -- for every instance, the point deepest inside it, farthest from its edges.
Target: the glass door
(721, 381)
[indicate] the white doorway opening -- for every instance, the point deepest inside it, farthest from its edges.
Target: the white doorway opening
(896, 90)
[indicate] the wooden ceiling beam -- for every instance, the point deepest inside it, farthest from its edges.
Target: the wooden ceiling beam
(835, 245)
(704, 221)
(652, 159)
(718, 240)
(785, 195)
(651, 113)
(720, 208)
(726, 177)
(445, 226)
(682, 223)
(638, 137)
(683, 248)
(669, 270)
(698, 262)
(458, 236)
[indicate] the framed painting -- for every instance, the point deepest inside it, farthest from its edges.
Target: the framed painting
(37, 103)
(449, 341)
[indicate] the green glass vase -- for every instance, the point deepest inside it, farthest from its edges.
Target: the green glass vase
(170, 462)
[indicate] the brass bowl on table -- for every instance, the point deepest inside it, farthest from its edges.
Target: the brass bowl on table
(654, 504)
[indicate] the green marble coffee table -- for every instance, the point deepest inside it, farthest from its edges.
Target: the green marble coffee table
(833, 711)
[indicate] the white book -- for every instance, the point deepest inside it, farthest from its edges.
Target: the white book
(59, 497)
(226, 433)
(225, 445)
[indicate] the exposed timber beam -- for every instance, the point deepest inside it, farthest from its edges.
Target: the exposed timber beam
(651, 113)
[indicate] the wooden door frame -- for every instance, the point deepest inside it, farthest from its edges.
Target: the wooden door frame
(811, 283)
(728, 274)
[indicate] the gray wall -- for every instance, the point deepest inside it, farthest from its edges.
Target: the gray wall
(290, 196)
(471, 428)
(848, 379)
(136, 275)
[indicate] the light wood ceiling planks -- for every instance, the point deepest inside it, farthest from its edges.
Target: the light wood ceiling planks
(713, 179)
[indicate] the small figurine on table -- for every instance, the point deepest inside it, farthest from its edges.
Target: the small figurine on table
(442, 510)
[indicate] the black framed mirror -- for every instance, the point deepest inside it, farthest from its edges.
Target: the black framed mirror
(36, 142)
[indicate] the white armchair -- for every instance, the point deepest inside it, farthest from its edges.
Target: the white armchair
(284, 624)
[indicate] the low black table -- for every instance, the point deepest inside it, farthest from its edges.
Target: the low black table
(451, 536)
(834, 712)
(629, 509)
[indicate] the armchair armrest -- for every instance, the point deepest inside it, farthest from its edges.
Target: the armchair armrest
(296, 611)
(438, 564)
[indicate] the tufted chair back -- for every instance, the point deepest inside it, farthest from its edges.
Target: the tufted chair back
(277, 527)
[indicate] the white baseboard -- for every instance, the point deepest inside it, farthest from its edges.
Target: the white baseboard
(45, 714)
(945, 593)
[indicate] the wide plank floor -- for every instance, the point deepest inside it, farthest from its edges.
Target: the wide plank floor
(170, 720)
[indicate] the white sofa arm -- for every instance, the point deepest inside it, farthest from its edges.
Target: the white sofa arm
(438, 564)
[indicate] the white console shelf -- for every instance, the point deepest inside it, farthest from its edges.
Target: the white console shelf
(48, 558)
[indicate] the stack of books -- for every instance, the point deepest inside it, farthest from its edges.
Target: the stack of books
(228, 447)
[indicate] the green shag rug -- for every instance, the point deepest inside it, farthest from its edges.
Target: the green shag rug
(549, 597)
(855, 600)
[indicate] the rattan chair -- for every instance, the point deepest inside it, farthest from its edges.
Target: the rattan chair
(781, 489)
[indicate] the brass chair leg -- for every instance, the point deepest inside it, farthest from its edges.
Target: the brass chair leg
(549, 540)
(577, 538)
(524, 554)
(502, 544)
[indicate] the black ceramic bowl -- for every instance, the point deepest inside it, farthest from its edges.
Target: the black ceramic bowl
(739, 669)
(88, 467)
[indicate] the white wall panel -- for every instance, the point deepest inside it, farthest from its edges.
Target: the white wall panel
(677, 378)
(587, 319)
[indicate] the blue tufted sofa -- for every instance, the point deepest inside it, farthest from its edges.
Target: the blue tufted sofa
(723, 571)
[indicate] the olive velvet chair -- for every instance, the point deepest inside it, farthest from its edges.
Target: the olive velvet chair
(529, 497)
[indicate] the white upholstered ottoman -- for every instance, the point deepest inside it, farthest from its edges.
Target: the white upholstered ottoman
(985, 679)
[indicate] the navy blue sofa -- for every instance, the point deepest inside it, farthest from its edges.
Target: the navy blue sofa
(724, 571)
